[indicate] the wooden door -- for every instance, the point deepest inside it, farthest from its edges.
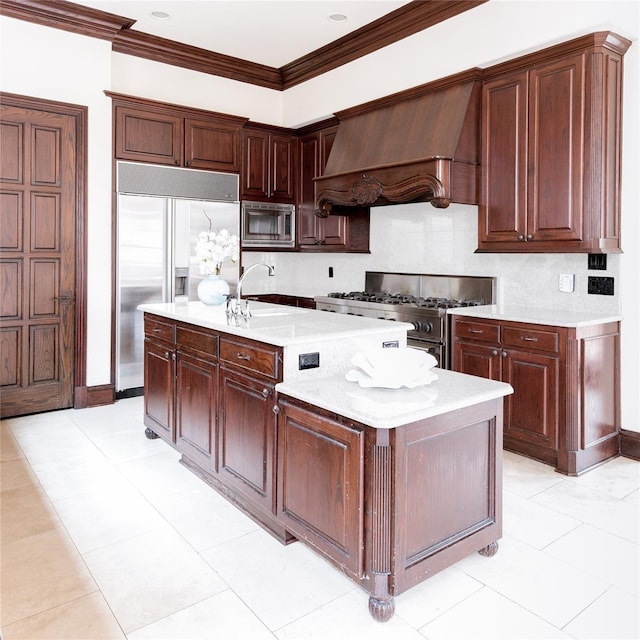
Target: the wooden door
(307, 170)
(247, 437)
(38, 173)
(196, 408)
(159, 389)
(556, 158)
(255, 164)
(282, 162)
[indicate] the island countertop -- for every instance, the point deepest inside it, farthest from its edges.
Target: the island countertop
(275, 324)
(390, 408)
(551, 317)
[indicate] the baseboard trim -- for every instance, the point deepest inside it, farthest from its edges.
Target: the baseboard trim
(630, 444)
(86, 397)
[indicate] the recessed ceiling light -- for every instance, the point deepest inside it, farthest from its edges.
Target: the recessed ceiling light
(337, 17)
(160, 15)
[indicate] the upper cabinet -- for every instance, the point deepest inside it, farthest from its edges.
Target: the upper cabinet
(551, 138)
(147, 131)
(335, 232)
(268, 164)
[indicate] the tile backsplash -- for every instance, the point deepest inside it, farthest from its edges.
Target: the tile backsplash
(418, 238)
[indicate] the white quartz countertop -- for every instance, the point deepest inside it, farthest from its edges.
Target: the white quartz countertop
(555, 317)
(389, 408)
(279, 325)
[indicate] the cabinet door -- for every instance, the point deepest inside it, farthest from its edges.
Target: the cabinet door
(247, 437)
(196, 404)
(477, 360)
(148, 136)
(282, 167)
(213, 145)
(556, 160)
(532, 412)
(502, 214)
(255, 164)
(320, 483)
(159, 389)
(308, 169)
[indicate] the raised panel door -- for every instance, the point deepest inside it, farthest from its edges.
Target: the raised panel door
(532, 412)
(255, 164)
(159, 389)
(320, 483)
(148, 136)
(502, 213)
(37, 259)
(308, 169)
(196, 408)
(211, 145)
(477, 360)
(556, 114)
(247, 437)
(282, 177)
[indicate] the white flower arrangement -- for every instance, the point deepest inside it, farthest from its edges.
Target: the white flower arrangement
(214, 247)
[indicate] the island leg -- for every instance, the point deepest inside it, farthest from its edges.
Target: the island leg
(151, 435)
(381, 603)
(490, 550)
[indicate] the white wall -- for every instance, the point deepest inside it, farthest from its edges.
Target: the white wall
(417, 238)
(74, 69)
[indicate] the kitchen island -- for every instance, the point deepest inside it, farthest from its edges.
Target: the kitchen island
(390, 485)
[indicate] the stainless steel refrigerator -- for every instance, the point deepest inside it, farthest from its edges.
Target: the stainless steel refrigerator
(160, 212)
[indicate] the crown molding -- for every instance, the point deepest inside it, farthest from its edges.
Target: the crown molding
(397, 25)
(68, 16)
(144, 45)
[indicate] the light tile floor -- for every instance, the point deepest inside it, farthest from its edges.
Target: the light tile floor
(106, 536)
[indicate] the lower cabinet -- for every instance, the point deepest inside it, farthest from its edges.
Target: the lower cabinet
(320, 483)
(247, 437)
(564, 410)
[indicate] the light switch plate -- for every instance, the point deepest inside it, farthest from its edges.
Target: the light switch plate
(567, 282)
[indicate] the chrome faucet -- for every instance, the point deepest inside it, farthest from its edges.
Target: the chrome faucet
(234, 305)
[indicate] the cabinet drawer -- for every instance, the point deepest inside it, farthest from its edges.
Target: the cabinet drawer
(203, 341)
(530, 338)
(258, 358)
(474, 330)
(157, 330)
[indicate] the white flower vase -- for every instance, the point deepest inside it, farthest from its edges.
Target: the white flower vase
(213, 290)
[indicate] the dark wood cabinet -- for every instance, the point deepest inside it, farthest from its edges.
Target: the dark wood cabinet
(181, 387)
(549, 416)
(335, 232)
(551, 134)
(159, 133)
(159, 384)
(268, 165)
(321, 483)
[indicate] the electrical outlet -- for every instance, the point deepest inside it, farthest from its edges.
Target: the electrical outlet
(308, 361)
(391, 344)
(567, 282)
(331, 272)
(597, 261)
(600, 286)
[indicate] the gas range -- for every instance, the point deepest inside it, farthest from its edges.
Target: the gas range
(419, 299)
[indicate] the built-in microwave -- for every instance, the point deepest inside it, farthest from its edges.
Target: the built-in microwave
(268, 224)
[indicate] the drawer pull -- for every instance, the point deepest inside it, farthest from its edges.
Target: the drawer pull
(528, 339)
(157, 330)
(476, 331)
(243, 356)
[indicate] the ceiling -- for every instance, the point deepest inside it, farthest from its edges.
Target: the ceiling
(268, 32)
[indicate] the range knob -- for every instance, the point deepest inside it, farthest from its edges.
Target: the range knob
(426, 327)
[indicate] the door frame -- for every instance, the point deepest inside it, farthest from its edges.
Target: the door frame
(79, 113)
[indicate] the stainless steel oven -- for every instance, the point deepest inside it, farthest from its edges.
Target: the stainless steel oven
(268, 225)
(421, 300)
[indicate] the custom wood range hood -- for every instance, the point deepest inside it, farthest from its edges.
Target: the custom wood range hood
(414, 146)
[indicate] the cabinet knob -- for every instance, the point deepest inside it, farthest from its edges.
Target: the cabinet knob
(529, 236)
(504, 354)
(521, 238)
(265, 393)
(494, 352)
(276, 409)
